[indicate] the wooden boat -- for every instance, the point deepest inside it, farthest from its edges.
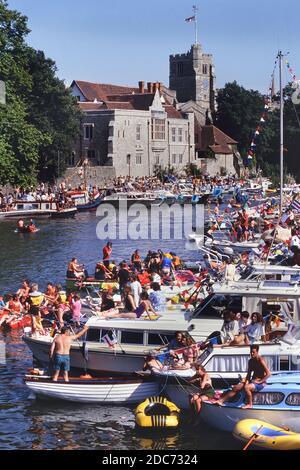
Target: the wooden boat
(278, 403)
(108, 390)
(265, 435)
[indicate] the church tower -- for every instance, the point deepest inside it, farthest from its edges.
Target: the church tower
(192, 77)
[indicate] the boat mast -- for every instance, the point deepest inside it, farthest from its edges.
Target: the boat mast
(281, 130)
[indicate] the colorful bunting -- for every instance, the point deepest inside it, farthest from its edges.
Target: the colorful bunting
(262, 120)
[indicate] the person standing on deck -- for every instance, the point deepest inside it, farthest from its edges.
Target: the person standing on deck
(60, 350)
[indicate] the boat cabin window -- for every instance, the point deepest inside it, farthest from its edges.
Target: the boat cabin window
(293, 399)
(132, 337)
(157, 339)
(267, 398)
(108, 333)
(214, 305)
(284, 363)
(93, 334)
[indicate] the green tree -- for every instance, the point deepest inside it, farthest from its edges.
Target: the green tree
(238, 113)
(52, 110)
(40, 117)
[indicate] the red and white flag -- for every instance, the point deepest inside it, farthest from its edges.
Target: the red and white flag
(190, 19)
(110, 339)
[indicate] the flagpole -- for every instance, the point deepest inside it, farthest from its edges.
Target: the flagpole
(195, 9)
(281, 130)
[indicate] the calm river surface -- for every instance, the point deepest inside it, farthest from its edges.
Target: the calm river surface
(27, 423)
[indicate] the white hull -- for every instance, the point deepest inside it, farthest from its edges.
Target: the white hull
(100, 361)
(225, 418)
(180, 395)
(113, 393)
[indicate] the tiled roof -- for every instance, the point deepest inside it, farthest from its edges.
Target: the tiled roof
(88, 106)
(118, 97)
(141, 101)
(101, 91)
(172, 112)
(212, 138)
(117, 105)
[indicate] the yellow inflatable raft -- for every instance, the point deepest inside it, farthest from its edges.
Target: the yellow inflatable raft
(265, 435)
(157, 412)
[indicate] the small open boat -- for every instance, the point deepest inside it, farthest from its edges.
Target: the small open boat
(114, 390)
(265, 435)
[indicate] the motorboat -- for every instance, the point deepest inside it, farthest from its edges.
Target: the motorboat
(278, 404)
(105, 390)
(41, 209)
(135, 338)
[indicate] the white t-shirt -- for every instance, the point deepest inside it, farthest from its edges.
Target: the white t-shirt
(255, 331)
(136, 291)
(229, 272)
(295, 241)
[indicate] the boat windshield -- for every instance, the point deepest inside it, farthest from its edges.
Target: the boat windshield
(214, 305)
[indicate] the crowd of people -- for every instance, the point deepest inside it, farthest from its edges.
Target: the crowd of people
(53, 305)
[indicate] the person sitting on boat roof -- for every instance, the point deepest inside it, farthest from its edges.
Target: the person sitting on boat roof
(230, 328)
(157, 298)
(256, 330)
(206, 392)
(75, 270)
(257, 374)
(108, 302)
(131, 311)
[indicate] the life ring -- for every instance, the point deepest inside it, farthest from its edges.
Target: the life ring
(157, 412)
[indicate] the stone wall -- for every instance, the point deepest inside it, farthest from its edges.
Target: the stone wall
(95, 176)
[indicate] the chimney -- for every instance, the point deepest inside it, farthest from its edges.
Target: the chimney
(150, 87)
(141, 87)
(156, 87)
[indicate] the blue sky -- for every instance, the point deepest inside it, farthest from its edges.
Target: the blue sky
(122, 42)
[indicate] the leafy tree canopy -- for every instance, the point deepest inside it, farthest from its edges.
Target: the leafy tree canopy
(40, 117)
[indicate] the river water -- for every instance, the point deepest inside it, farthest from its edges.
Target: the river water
(27, 423)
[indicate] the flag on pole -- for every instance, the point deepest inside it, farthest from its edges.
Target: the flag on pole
(110, 339)
(296, 205)
(190, 19)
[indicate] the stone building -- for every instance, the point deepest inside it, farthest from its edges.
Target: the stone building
(133, 130)
(216, 152)
(192, 76)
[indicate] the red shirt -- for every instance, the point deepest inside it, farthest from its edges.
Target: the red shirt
(106, 253)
